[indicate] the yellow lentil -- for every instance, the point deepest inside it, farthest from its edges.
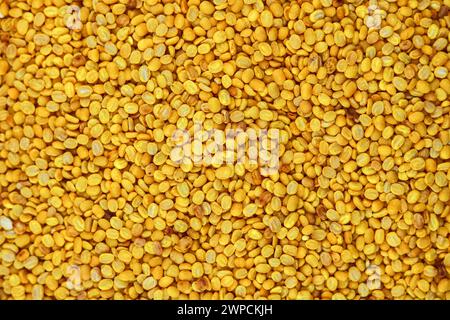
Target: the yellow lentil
(101, 199)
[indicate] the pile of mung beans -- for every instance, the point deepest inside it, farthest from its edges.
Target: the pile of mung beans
(93, 207)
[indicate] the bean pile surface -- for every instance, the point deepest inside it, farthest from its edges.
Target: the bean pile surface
(93, 205)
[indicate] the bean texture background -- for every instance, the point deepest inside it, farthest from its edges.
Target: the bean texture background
(94, 205)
